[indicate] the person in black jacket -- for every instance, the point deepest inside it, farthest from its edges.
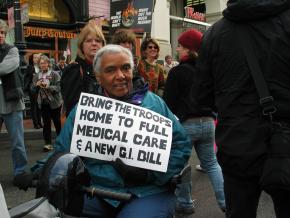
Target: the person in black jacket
(225, 85)
(11, 102)
(78, 76)
(197, 121)
(60, 65)
(33, 69)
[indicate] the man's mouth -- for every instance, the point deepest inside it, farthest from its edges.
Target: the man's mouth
(120, 85)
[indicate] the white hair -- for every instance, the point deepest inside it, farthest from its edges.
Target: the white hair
(110, 49)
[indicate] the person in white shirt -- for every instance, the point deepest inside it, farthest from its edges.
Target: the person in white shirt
(169, 63)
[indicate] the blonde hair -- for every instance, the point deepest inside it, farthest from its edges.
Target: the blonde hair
(3, 26)
(90, 28)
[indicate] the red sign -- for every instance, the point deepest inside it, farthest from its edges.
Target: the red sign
(191, 14)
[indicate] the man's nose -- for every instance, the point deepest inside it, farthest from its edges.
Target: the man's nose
(119, 73)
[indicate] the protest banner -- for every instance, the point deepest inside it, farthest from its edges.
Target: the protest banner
(130, 14)
(107, 129)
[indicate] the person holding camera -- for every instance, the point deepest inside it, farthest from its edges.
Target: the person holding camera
(47, 86)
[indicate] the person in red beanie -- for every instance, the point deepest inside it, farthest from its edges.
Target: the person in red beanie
(196, 120)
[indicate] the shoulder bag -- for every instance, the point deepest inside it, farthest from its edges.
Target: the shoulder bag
(276, 171)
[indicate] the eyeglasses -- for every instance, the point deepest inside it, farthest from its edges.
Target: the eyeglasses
(151, 47)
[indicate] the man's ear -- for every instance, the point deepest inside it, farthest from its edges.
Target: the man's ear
(98, 78)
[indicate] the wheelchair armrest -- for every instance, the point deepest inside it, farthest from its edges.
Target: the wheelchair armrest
(183, 176)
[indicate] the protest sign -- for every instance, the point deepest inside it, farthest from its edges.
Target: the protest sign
(136, 15)
(107, 129)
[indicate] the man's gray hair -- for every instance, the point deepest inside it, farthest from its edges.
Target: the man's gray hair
(3, 26)
(110, 49)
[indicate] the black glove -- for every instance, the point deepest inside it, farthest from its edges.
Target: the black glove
(131, 175)
(24, 180)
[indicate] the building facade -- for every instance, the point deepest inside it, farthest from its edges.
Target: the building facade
(53, 26)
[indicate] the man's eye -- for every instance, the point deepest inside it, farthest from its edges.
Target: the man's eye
(126, 67)
(110, 70)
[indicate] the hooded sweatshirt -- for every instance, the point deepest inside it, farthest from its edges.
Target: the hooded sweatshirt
(225, 83)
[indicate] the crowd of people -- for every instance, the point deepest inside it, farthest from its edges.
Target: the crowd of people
(211, 83)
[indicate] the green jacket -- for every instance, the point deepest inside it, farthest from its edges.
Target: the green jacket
(102, 173)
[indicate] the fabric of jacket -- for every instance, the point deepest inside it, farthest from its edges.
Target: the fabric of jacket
(153, 74)
(9, 63)
(30, 72)
(177, 90)
(52, 91)
(226, 84)
(77, 77)
(102, 173)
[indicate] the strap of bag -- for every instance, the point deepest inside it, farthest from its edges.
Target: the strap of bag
(81, 71)
(266, 100)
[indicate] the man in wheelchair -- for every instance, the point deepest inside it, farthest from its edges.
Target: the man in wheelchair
(153, 195)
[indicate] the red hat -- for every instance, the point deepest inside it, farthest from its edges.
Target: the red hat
(190, 39)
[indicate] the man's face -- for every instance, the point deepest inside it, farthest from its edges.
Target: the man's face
(61, 63)
(169, 60)
(2, 36)
(116, 74)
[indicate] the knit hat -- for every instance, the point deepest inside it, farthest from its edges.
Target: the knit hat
(190, 39)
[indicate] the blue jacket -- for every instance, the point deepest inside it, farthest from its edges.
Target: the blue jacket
(103, 175)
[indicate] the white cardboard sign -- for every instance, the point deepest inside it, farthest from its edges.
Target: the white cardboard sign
(107, 129)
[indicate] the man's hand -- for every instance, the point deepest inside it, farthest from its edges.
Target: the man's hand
(131, 175)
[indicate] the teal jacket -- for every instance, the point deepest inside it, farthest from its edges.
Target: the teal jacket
(104, 176)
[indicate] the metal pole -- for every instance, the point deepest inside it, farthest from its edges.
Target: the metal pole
(19, 38)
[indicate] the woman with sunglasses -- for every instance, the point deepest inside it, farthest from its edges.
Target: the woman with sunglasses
(149, 69)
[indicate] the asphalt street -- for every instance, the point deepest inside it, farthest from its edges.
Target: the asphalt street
(206, 206)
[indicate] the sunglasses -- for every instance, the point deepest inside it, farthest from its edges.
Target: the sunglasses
(150, 47)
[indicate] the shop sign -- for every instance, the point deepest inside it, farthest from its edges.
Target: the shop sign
(48, 33)
(195, 9)
(191, 14)
(130, 14)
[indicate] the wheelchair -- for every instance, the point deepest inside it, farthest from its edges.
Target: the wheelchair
(64, 178)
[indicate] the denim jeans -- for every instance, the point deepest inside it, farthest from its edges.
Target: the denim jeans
(14, 126)
(201, 133)
(158, 205)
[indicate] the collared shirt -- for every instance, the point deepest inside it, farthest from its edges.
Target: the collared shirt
(167, 67)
